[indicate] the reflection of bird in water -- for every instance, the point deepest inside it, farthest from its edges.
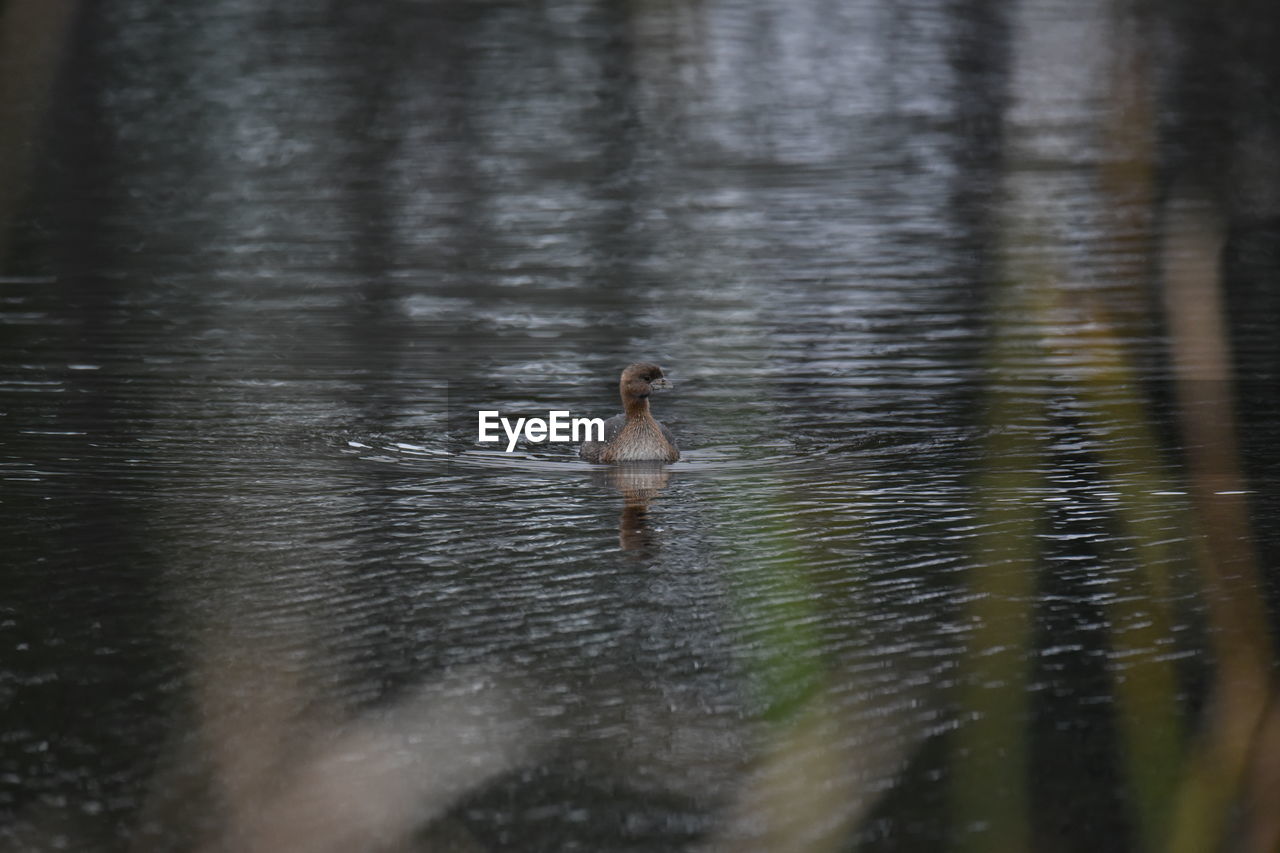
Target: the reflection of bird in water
(635, 436)
(639, 483)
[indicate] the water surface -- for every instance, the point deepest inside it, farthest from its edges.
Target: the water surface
(968, 316)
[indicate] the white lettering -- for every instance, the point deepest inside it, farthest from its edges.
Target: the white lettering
(559, 424)
(488, 421)
(588, 426)
(512, 434)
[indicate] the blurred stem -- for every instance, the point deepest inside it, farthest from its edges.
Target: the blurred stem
(1212, 783)
(31, 37)
(1145, 682)
(771, 588)
(1149, 716)
(990, 803)
(804, 792)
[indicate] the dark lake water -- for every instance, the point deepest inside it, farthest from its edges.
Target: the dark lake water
(970, 310)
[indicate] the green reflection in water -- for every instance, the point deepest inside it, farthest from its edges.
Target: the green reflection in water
(990, 805)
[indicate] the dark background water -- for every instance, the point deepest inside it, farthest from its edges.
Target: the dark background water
(970, 311)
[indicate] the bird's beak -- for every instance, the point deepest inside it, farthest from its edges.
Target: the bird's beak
(661, 384)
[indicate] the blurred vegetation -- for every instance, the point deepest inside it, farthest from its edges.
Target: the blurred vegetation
(32, 33)
(1194, 784)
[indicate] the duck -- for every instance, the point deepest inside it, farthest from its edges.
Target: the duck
(634, 435)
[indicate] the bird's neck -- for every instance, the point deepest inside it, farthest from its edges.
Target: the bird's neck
(636, 407)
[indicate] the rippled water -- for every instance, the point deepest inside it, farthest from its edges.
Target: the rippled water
(961, 553)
